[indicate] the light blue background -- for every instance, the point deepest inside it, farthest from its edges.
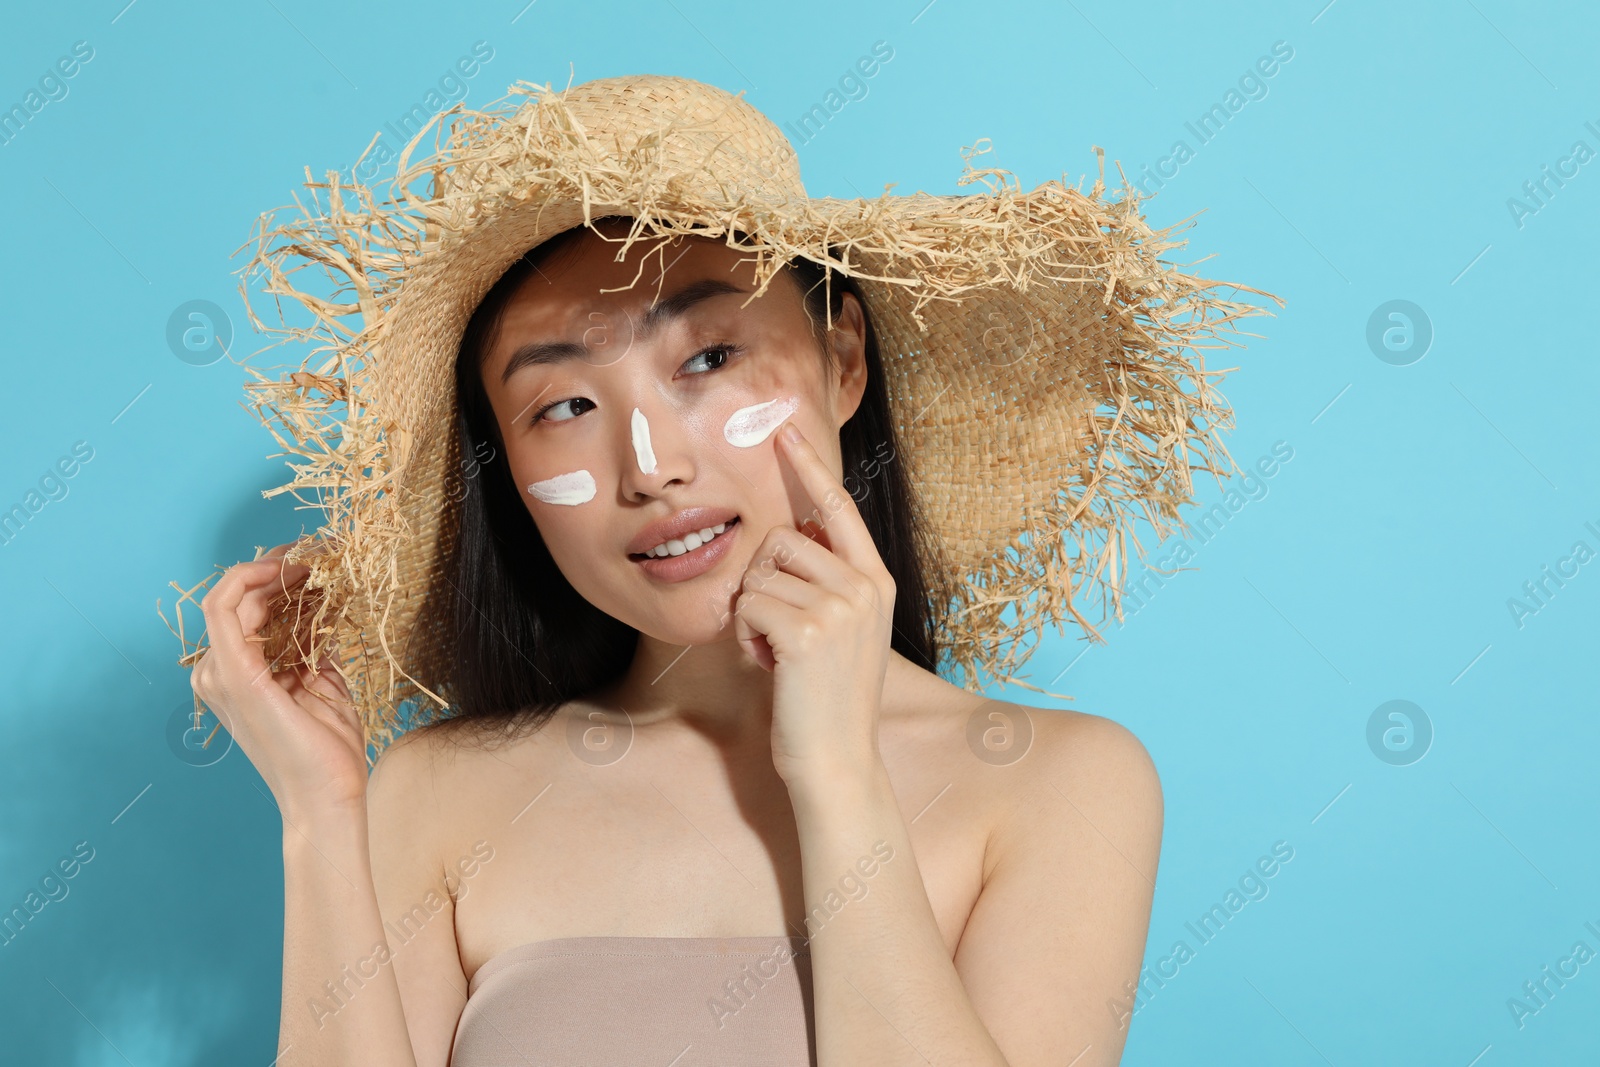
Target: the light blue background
(1418, 500)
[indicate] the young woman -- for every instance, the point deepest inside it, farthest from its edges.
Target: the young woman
(702, 797)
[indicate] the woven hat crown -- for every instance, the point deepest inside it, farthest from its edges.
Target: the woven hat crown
(698, 136)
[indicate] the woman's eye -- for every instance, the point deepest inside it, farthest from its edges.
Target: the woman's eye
(550, 413)
(720, 353)
(702, 362)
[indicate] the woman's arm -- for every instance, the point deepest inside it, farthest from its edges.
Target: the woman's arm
(371, 971)
(341, 1002)
(884, 989)
(1058, 929)
(1057, 926)
(1053, 946)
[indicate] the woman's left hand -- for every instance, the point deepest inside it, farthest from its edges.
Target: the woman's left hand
(817, 613)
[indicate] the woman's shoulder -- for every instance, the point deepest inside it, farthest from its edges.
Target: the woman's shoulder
(925, 700)
(1090, 745)
(1090, 759)
(450, 754)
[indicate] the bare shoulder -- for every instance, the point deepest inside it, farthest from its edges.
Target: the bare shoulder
(1079, 752)
(1085, 781)
(407, 770)
(417, 785)
(451, 776)
(1015, 760)
(1068, 879)
(1091, 761)
(1083, 751)
(403, 796)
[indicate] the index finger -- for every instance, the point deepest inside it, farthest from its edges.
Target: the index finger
(833, 509)
(277, 551)
(247, 586)
(224, 626)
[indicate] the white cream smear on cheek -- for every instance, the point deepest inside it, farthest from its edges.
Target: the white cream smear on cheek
(749, 426)
(574, 488)
(641, 443)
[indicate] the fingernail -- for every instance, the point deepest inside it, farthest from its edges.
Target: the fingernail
(790, 432)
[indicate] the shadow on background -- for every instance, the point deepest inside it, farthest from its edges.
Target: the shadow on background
(163, 946)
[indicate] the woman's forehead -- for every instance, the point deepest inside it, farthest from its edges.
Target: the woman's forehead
(588, 267)
(570, 291)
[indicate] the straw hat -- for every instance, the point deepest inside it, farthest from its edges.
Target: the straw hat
(1043, 362)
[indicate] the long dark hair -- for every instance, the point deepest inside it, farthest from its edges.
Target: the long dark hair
(525, 641)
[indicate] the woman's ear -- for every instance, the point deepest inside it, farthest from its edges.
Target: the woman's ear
(848, 341)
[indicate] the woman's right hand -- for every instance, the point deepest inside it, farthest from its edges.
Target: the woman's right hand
(299, 730)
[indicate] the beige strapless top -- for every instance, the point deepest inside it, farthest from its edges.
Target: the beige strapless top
(630, 1001)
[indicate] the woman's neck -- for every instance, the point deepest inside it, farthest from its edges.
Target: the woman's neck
(719, 693)
(716, 689)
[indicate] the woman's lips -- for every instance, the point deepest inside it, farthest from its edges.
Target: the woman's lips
(692, 563)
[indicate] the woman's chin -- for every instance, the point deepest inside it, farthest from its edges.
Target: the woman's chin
(714, 627)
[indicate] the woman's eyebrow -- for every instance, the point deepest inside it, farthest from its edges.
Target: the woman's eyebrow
(536, 353)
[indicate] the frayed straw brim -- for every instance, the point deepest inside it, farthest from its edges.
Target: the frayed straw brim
(1045, 363)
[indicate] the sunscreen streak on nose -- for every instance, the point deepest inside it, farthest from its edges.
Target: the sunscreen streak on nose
(749, 426)
(574, 488)
(641, 443)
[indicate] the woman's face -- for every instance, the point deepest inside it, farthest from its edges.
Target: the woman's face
(633, 417)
